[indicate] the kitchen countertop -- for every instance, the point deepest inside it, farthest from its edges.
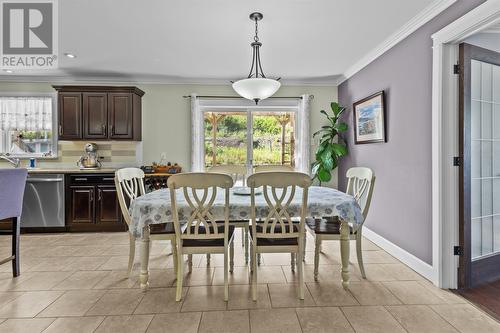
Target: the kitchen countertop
(71, 170)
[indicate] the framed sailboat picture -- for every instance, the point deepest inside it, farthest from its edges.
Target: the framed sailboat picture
(369, 119)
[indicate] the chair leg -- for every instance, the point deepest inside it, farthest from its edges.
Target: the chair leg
(246, 243)
(304, 249)
(16, 230)
(243, 233)
(292, 261)
(300, 271)
(190, 263)
(173, 244)
(180, 266)
(360, 254)
(231, 256)
(226, 275)
(258, 259)
(131, 254)
(251, 257)
(208, 259)
(317, 249)
(254, 274)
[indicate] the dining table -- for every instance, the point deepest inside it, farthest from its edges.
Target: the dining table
(155, 207)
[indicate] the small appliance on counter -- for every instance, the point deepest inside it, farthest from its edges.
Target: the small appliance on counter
(90, 159)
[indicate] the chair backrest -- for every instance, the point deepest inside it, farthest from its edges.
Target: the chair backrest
(279, 190)
(129, 184)
(12, 184)
(235, 171)
(199, 191)
(273, 168)
(360, 182)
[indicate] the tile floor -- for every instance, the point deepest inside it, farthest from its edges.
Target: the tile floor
(78, 283)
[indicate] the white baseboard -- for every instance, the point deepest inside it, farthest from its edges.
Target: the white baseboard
(405, 257)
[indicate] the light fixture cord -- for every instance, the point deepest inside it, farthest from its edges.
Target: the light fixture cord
(256, 37)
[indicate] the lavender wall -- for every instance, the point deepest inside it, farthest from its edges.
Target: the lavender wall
(401, 209)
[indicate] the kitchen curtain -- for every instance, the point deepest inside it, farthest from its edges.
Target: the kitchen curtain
(26, 113)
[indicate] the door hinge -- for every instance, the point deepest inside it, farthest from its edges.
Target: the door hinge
(458, 251)
(457, 161)
(456, 69)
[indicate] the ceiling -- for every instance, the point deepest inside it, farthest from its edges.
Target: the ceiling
(200, 41)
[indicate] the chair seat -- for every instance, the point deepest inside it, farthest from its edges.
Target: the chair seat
(186, 242)
(322, 226)
(161, 229)
(276, 241)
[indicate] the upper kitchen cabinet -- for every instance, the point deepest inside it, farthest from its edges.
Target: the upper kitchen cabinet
(99, 113)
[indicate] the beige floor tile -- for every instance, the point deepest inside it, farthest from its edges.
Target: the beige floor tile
(7, 296)
(160, 261)
(240, 275)
(85, 263)
(90, 250)
(52, 264)
(389, 272)
(371, 319)
(161, 300)
(270, 274)
(217, 260)
(274, 321)
(82, 280)
(29, 304)
(117, 302)
(373, 257)
(276, 259)
(32, 325)
(420, 319)
(72, 303)
(204, 298)
(161, 278)
(42, 281)
(411, 292)
(115, 264)
(125, 324)
(74, 325)
(175, 323)
(467, 318)
(330, 294)
(372, 293)
(326, 273)
(120, 280)
(225, 322)
(325, 258)
(323, 320)
(8, 283)
(198, 277)
(286, 296)
(240, 297)
(447, 295)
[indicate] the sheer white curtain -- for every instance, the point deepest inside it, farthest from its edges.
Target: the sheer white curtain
(303, 156)
(197, 135)
(26, 113)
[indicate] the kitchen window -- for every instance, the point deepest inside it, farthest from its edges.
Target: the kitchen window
(27, 126)
(236, 131)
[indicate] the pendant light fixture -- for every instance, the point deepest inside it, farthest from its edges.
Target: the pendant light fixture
(256, 86)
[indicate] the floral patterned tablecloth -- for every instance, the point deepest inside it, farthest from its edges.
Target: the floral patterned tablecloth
(154, 207)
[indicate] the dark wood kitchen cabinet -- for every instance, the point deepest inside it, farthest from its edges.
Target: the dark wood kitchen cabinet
(100, 113)
(92, 203)
(70, 116)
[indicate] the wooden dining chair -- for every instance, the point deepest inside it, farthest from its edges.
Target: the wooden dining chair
(202, 233)
(130, 185)
(273, 168)
(278, 232)
(12, 184)
(360, 182)
(236, 172)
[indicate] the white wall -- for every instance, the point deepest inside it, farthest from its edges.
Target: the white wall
(166, 115)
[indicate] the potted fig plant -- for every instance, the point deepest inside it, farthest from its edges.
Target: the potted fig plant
(331, 145)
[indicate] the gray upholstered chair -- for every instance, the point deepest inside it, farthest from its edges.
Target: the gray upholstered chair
(12, 183)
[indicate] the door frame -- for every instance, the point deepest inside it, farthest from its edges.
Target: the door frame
(445, 189)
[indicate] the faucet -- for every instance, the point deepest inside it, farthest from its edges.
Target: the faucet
(14, 161)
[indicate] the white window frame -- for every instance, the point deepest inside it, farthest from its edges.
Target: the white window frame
(201, 105)
(55, 134)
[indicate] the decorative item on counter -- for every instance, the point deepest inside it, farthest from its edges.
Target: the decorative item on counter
(32, 164)
(166, 168)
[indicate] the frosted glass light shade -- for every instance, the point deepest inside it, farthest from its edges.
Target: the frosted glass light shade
(256, 89)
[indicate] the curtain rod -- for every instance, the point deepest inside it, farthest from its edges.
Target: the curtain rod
(238, 97)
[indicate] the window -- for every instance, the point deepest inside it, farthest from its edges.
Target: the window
(236, 131)
(26, 126)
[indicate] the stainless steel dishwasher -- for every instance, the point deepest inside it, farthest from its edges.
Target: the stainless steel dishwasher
(43, 204)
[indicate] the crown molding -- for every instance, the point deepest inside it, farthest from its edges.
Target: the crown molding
(411, 26)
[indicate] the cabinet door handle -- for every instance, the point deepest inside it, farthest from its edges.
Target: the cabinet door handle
(99, 195)
(80, 179)
(104, 129)
(91, 196)
(60, 130)
(109, 179)
(112, 130)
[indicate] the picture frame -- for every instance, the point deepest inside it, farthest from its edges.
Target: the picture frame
(369, 119)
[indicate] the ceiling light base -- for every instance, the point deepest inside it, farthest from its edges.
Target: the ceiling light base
(256, 16)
